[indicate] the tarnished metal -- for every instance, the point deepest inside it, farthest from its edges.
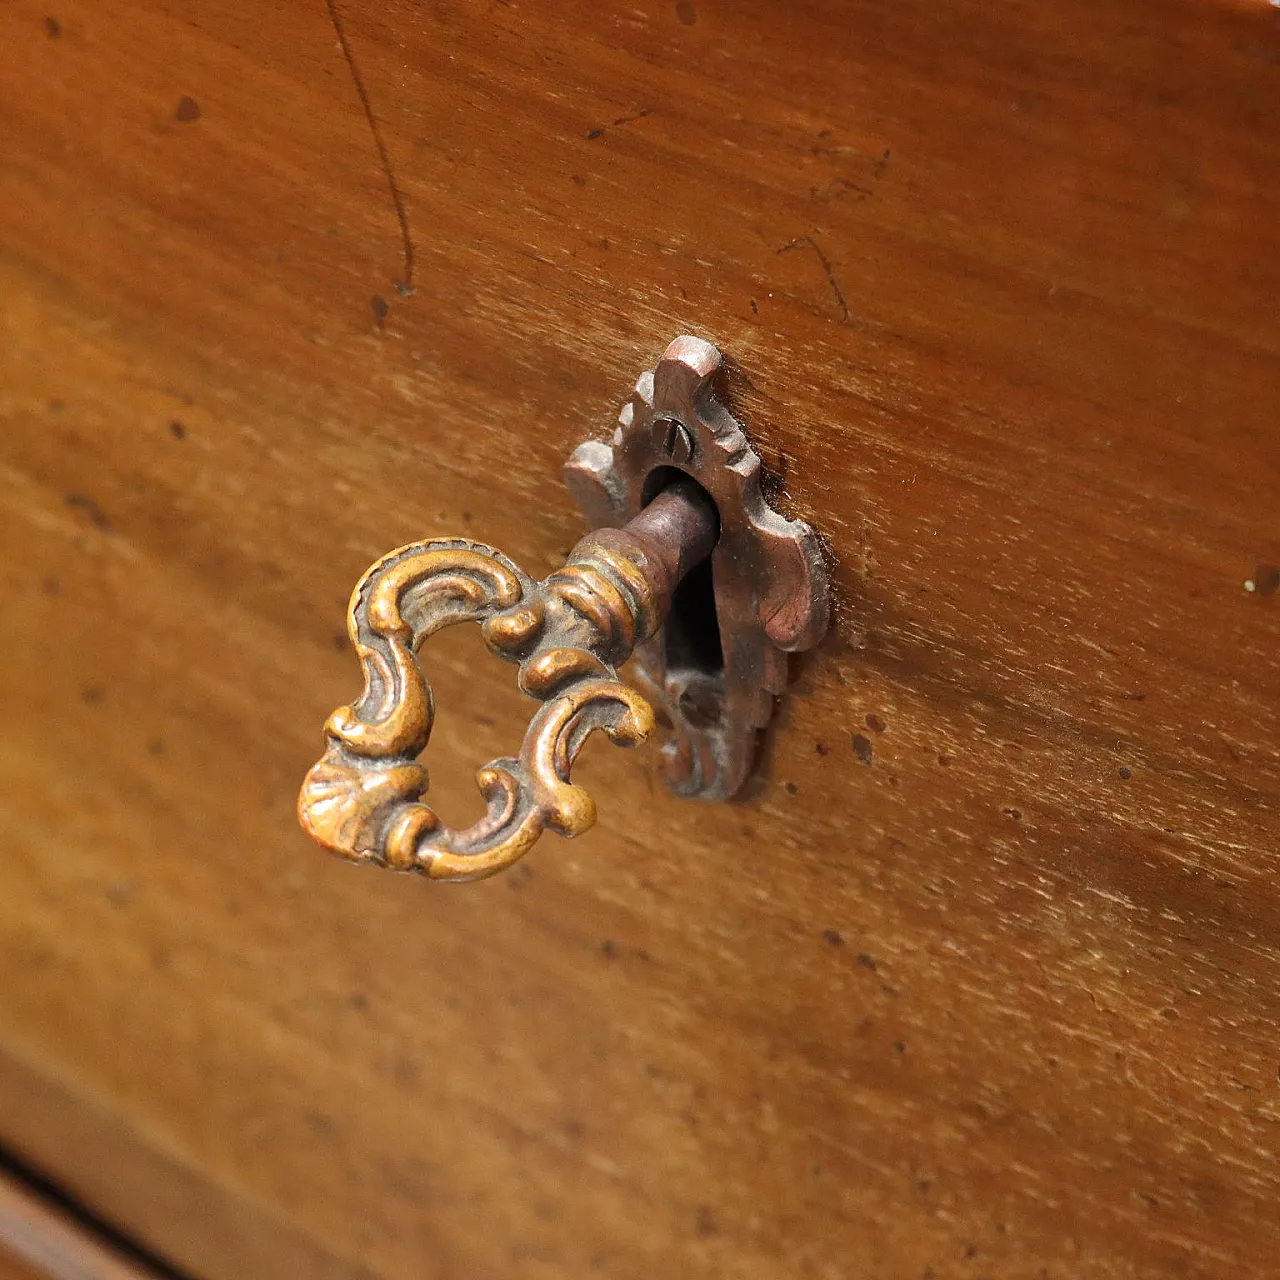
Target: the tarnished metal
(768, 576)
(678, 490)
(365, 800)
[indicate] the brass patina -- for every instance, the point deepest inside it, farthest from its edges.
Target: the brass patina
(571, 632)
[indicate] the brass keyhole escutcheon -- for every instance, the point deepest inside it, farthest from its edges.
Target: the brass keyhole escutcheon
(680, 524)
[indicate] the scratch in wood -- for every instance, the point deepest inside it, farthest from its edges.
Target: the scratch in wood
(97, 517)
(404, 287)
(640, 115)
(839, 186)
(808, 242)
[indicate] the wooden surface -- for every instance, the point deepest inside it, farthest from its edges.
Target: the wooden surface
(14, 1267)
(40, 1242)
(985, 982)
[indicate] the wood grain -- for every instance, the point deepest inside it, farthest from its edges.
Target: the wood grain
(985, 981)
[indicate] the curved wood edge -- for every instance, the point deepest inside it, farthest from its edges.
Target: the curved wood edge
(53, 1244)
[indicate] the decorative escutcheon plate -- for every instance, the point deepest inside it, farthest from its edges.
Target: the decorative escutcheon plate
(768, 576)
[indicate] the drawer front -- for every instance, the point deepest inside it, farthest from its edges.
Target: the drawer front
(982, 978)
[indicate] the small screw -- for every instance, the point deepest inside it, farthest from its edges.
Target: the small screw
(678, 444)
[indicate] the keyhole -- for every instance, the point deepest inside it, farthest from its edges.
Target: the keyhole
(692, 628)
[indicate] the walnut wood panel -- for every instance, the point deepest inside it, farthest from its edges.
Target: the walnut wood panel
(985, 980)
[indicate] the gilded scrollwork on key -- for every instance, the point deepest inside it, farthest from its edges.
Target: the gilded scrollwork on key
(364, 799)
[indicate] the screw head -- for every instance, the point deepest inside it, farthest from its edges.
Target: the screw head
(677, 442)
